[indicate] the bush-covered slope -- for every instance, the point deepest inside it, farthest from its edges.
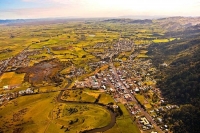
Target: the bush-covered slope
(180, 80)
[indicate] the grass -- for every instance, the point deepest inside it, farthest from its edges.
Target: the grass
(92, 93)
(48, 88)
(23, 113)
(83, 118)
(124, 110)
(117, 64)
(127, 126)
(140, 98)
(149, 82)
(143, 101)
(163, 40)
(160, 40)
(94, 72)
(23, 86)
(11, 78)
(124, 123)
(66, 70)
(105, 98)
(148, 106)
(79, 95)
(143, 51)
(27, 116)
(142, 56)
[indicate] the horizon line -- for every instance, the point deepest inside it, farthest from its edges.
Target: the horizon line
(119, 17)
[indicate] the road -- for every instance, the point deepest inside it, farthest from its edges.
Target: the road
(133, 98)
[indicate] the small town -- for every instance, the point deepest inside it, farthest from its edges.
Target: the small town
(122, 74)
(131, 83)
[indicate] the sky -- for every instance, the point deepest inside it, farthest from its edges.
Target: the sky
(27, 9)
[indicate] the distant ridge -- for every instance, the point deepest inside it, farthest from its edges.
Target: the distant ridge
(139, 21)
(8, 21)
(170, 23)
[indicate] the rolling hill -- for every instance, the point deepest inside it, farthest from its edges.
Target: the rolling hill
(180, 79)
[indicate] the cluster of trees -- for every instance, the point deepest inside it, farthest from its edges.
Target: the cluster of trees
(185, 119)
(180, 81)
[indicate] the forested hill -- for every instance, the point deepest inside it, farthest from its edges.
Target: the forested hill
(180, 78)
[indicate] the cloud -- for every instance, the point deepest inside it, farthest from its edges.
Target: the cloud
(103, 8)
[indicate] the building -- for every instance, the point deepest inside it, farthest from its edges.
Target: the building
(144, 121)
(127, 97)
(6, 87)
(137, 90)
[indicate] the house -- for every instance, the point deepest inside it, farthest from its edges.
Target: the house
(164, 64)
(159, 120)
(127, 97)
(133, 112)
(29, 91)
(137, 90)
(95, 85)
(22, 92)
(115, 106)
(104, 87)
(112, 90)
(6, 87)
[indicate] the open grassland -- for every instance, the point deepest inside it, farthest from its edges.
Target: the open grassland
(79, 34)
(124, 110)
(48, 88)
(142, 56)
(28, 113)
(124, 123)
(105, 99)
(149, 82)
(127, 126)
(22, 114)
(163, 40)
(21, 87)
(102, 68)
(79, 96)
(11, 78)
(15, 39)
(79, 117)
(143, 101)
(66, 70)
(143, 51)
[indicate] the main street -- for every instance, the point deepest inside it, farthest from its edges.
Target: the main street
(133, 98)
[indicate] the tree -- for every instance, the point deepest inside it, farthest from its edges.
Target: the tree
(154, 97)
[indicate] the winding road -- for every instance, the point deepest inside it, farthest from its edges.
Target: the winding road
(101, 129)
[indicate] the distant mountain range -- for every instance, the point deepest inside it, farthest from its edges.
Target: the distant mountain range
(32, 21)
(168, 23)
(145, 21)
(7, 21)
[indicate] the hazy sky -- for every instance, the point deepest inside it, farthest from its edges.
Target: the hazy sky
(12, 9)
